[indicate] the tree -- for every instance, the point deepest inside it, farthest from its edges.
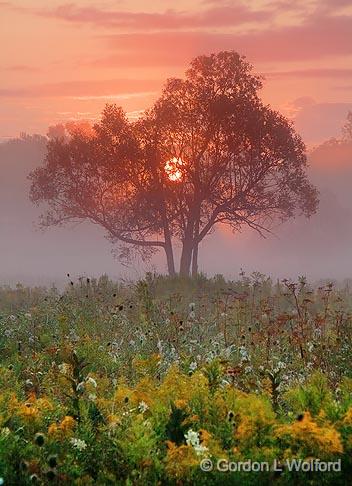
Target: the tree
(106, 176)
(347, 128)
(208, 152)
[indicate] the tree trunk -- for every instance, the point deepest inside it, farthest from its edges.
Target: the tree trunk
(195, 243)
(170, 257)
(186, 258)
(195, 248)
(195, 260)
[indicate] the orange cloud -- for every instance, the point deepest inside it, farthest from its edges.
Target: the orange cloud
(219, 16)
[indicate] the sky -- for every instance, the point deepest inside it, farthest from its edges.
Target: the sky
(63, 61)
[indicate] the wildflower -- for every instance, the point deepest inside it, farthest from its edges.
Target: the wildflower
(39, 439)
(193, 366)
(192, 306)
(244, 354)
(50, 474)
(78, 444)
(64, 368)
(5, 431)
(91, 381)
(80, 387)
(142, 407)
(230, 416)
(67, 423)
(192, 439)
(52, 461)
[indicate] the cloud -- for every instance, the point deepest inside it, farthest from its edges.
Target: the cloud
(20, 68)
(217, 16)
(111, 97)
(123, 89)
(313, 40)
(311, 73)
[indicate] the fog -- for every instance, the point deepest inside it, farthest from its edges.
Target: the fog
(318, 248)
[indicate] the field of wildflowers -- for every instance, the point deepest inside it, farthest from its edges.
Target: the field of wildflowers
(140, 383)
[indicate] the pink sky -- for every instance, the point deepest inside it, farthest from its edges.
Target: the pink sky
(63, 61)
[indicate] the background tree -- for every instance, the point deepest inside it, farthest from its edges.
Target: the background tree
(208, 152)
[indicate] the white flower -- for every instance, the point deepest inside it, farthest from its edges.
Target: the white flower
(200, 449)
(80, 387)
(64, 368)
(91, 381)
(281, 365)
(193, 366)
(5, 431)
(142, 406)
(192, 306)
(192, 439)
(78, 444)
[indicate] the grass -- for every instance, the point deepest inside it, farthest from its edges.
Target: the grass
(136, 383)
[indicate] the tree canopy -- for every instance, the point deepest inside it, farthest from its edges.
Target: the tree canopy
(208, 152)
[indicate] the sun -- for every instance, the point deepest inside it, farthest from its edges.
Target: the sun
(173, 169)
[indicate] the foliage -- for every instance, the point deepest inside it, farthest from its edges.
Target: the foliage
(137, 384)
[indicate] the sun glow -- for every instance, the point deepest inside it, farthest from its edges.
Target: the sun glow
(173, 169)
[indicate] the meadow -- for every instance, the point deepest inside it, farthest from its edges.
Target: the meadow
(139, 383)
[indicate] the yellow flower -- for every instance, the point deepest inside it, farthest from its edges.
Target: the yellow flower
(204, 436)
(180, 403)
(64, 427)
(53, 429)
(67, 424)
(113, 421)
(347, 420)
(308, 435)
(180, 460)
(28, 412)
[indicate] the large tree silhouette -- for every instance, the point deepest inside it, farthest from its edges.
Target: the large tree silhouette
(208, 152)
